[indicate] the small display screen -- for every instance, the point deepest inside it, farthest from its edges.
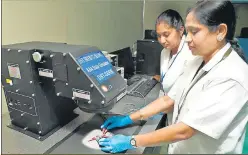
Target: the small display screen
(97, 65)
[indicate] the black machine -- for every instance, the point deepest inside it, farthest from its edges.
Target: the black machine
(125, 60)
(148, 57)
(44, 82)
(150, 34)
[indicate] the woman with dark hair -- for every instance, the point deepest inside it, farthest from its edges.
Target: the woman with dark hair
(175, 55)
(209, 101)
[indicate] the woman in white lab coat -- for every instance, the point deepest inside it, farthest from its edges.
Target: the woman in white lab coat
(170, 32)
(171, 35)
(209, 101)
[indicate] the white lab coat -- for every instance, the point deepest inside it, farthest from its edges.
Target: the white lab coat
(216, 106)
(173, 67)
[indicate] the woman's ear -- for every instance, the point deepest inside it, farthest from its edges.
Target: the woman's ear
(181, 30)
(221, 32)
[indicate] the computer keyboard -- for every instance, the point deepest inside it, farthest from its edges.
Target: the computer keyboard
(134, 79)
(143, 88)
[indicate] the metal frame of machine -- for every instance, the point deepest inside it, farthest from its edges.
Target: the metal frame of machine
(44, 82)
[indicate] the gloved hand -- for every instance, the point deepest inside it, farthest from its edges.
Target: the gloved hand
(116, 121)
(115, 144)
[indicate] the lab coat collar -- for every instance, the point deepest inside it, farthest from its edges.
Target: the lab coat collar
(166, 56)
(181, 44)
(216, 58)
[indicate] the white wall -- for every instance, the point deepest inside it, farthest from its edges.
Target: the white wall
(27, 20)
(109, 24)
(154, 8)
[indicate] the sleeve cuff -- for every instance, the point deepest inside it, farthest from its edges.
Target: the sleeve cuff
(207, 131)
(171, 95)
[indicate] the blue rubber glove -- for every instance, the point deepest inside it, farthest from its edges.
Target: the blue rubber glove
(116, 121)
(115, 144)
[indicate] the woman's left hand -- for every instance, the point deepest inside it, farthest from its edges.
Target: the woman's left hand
(156, 77)
(115, 144)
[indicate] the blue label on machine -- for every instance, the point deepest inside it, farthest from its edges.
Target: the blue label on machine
(97, 65)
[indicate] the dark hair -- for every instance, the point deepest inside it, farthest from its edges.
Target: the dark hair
(172, 18)
(212, 13)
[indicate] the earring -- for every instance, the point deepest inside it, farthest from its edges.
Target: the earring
(219, 38)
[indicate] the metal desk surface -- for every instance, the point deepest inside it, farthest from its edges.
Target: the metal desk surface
(15, 142)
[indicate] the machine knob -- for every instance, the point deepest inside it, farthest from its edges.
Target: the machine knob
(37, 56)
